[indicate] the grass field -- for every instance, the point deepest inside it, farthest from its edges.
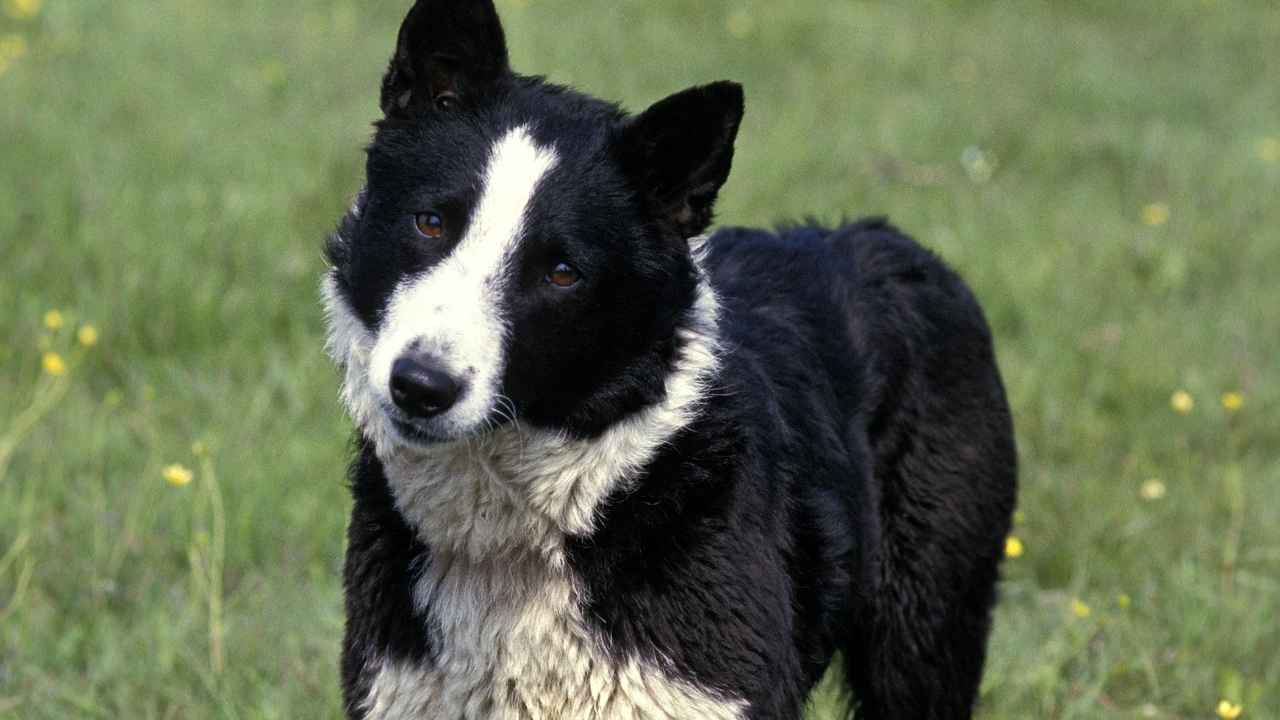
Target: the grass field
(1105, 174)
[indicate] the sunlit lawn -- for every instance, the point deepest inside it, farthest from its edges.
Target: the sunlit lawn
(1106, 174)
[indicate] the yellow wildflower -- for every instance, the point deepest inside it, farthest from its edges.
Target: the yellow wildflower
(1155, 214)
(88, 335)
(1269, 149)
(1182, 402)
(1080, 609)
(1013, 547)
(1124, 601)
(54, 320)
(54, 364)
(1153, 489)
(1232, 401)
(22, 9)
(177, 475)
(1228, 710)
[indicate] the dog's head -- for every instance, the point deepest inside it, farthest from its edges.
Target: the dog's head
(520, 250)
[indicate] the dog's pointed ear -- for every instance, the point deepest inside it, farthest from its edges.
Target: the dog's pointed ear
(679, 153)
(450, 52)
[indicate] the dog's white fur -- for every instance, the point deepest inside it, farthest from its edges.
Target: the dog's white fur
(497, 507)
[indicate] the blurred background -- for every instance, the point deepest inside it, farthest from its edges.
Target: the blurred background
(172, 452)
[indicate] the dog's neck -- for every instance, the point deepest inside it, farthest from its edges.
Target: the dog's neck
(520, 491)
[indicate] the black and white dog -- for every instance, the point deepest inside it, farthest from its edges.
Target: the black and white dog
(609, 467)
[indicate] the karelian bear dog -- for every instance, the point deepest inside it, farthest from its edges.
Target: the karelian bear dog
(609, 466)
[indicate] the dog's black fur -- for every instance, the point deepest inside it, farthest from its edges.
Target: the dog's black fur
(847, 485)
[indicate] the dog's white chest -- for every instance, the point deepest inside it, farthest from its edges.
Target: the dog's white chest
(511, 645)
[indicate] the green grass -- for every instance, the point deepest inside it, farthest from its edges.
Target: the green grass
(168, 171)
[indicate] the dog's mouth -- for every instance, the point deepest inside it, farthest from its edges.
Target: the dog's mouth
(425, 434)
(413, 433)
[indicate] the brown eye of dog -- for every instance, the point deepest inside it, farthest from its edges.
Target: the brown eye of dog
(446, 101)
(563, 275)
(430, 224)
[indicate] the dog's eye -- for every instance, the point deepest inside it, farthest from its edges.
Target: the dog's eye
(429, 224)
(563, 275)
(446, 101)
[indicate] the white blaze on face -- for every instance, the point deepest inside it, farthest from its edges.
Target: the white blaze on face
(454, 310)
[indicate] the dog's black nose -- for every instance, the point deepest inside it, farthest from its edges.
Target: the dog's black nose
(421, 388)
